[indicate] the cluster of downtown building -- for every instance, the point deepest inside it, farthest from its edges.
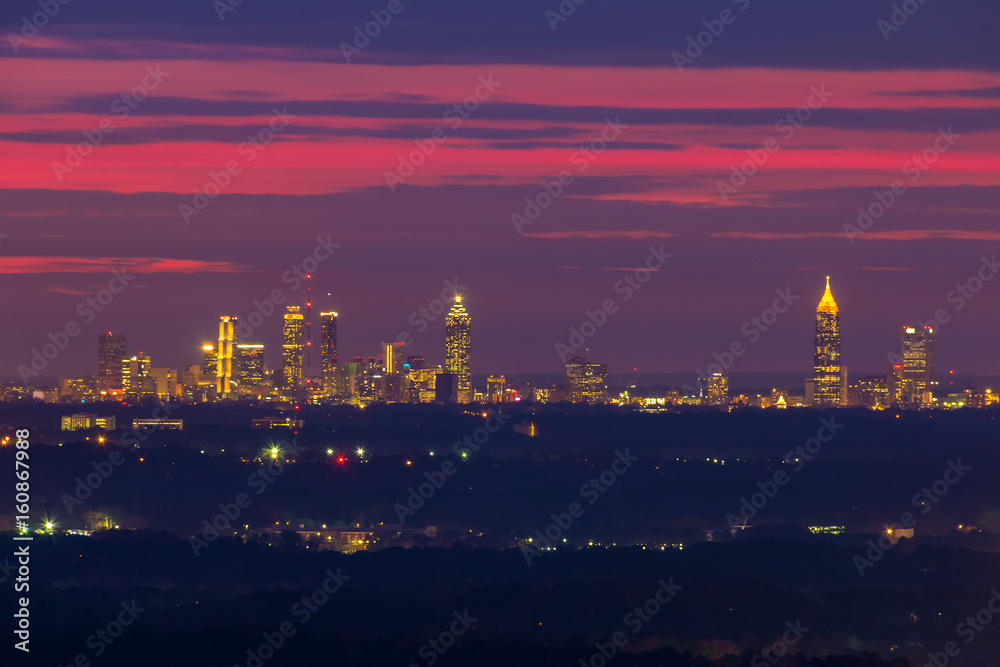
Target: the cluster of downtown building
(908, 383)
(230, 369)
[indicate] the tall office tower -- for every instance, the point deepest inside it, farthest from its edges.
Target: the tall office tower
(328, 353)
(250, 365)
(826, 358)
(586, 382)
(135, 374)
(718, 389)
(363, 375)
(292, 349)
(224, 375)
(393, 380)
(208, 361)
(458, 348)
(110, 352)
(496, 389)
(918, 364)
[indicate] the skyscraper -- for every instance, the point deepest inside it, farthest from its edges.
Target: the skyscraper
(586, 382)
(110, 352)
(826, 358)
(918, 364)
(250, 365)
(208, 361)
(458, 348)
(718, 389)
(292, 349)
(393, 380)
(224, 355)
(328, 353)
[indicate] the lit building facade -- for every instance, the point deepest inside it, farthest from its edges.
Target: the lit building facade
(250, 365)
(328, 353)
(496, 389)
(586, 382)
(110, 353)
(224, 376)
(917, 373)
(293, 337)
(458, 349)
(718, 389)
(829, 382)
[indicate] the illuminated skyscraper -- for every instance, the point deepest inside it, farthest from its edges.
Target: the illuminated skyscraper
(292, 349)
(458, 348)
(826, 358)
(208, 361)
(718, 389)
(393, 380)
(110, 352)
(918, 364)
(496, 389)
(328, 353)
(586, 382)
(250, 365)
(224, 375)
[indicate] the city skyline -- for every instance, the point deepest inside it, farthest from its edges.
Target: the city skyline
(294, 345)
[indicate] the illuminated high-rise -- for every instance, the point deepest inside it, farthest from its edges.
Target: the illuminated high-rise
(328, 353)
(586, 382)
(393, 379)
(718, 389)
(293, 347)
(250, 365)
(918, 364)
(826, 357)
(110, 352)
(208, 361)
(224, 375)
(458, 348)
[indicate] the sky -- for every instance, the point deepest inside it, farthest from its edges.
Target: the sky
(207, 149)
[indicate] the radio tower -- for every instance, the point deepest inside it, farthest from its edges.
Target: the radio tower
(308, 321)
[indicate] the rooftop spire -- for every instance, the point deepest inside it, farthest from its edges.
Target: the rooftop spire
(827, 304)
